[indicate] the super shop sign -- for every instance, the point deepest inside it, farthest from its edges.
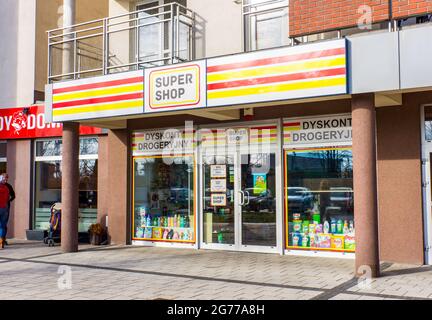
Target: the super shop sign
(318, 130)
(175, 88)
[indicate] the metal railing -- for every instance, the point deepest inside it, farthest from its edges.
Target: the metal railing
(153, 36)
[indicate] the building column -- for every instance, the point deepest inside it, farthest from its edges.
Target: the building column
(70, 184)
(118, 226)
(365, 184)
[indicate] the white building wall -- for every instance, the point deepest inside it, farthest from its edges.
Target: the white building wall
(17, 52)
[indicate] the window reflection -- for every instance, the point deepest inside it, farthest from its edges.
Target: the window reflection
(320, 199)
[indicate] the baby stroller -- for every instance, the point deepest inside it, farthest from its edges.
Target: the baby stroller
(54, 231)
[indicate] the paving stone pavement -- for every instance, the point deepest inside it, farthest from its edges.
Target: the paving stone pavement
(31, 270)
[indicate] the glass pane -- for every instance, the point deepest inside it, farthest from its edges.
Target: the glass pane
(164, 199)
(150, 34)
(89, 146)
(218, 200)
(48, 191)
(428, 123)
(3, 149)
(259, 208)
(3, 167)
(320, 199)
(48, 148)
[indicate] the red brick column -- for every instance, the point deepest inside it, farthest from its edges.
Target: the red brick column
(70, 184)
(365, 183)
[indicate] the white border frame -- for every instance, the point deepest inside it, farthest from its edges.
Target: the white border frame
(285, 147)
(426, 150)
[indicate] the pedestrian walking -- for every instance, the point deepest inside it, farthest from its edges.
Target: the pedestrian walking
(4, 202)
(11, 198)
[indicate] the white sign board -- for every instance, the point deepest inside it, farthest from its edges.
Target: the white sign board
(162, 141)
(175, 88)
(218, 200)
(218, 171)
(218, 185)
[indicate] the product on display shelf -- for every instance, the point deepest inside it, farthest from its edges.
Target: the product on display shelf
(324, 241)
(319, 228)
(171, 234)
(312, 240)
(345, 227)
(316, 217)
(305, 240)
(176, 235)
(139, 232)
(165, 234)
(157, 233)
(333, 226)
(296, 239)
(148, 233)
(312, 228)
(339, 226)
(351, 226)
(305, 228)
(338, 242)
(350, 243)
(296, 216)
(326, 227)
(297, 225)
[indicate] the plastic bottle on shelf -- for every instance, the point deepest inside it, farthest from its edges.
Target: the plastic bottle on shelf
(175, 221)
(345, 227)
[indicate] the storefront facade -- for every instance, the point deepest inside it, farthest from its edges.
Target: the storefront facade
(289, 150)
(31, 153)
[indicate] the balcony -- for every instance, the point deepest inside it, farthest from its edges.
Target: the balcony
(154, 36)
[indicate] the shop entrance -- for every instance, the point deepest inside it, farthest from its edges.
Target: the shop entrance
(239, 208)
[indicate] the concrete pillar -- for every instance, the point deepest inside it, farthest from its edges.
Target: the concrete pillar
(68, 47)
(118, 158)
(70, 184)
(365, 184)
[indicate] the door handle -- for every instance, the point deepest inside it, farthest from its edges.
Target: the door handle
(242, 198)
(248, 198)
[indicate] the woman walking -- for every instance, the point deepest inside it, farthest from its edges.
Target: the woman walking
(4, 205)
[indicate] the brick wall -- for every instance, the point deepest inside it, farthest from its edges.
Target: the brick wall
(313, 16)
(405, 8)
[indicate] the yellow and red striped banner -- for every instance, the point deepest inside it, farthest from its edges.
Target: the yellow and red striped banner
(280, 74)
(107, 96)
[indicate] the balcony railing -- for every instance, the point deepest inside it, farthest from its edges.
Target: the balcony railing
(151, 37)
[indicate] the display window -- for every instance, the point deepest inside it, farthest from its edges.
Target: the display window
(48, 180)
(319, 199)
(164, 198)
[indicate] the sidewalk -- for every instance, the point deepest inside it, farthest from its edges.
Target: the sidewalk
(30, 270)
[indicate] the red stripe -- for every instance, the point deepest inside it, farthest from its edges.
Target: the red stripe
(264, 136)
(273, 79)
(262, 128)
(266, 61)
(130, 96)
(292, 124)
(98, 85)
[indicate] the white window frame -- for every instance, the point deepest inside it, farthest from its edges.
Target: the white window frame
(252, 9)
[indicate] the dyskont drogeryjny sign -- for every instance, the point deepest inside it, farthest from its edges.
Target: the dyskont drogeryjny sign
(318, 130)
(29, 122)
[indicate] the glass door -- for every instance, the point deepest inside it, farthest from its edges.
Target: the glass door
(239, 201)
(258, 200)
(219, 201)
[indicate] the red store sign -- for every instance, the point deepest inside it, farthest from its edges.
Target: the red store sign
(29, 122)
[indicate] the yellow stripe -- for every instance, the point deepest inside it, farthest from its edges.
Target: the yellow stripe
(98, 93)
(277, 88)
(292, 129)
(277, 69)
(98, 108)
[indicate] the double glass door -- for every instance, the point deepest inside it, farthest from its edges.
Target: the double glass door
(239, 201)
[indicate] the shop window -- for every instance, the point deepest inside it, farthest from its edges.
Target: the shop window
(48, 179)
(265, 24)
(163, 198)
(320, 199)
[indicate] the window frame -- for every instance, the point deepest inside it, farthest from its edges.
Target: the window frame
(247, 12)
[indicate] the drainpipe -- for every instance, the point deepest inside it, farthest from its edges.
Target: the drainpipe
(390, 6)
